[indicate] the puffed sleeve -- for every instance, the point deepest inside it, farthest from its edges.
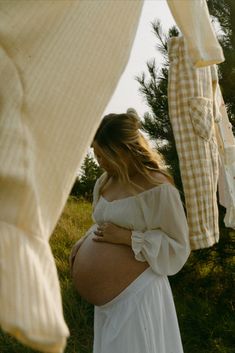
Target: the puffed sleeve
(203, 45)
(165, 243)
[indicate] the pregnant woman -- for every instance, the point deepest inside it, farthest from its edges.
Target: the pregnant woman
(139, 237)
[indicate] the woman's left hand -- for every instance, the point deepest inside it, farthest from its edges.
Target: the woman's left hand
(110, 233)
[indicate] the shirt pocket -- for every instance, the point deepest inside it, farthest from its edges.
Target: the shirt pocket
(201, 114)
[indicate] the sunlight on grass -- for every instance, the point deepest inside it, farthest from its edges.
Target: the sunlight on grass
(73, 224)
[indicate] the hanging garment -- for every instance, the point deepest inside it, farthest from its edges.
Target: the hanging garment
(193, 19)
(60, 63)
(226, 145)
(190, 95)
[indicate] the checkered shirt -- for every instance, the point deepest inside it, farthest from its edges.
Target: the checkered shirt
(190, 97)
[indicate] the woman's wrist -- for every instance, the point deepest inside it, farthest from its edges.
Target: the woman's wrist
(126, 237)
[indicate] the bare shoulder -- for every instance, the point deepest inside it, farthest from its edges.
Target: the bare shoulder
(157, 179)
(160, 178)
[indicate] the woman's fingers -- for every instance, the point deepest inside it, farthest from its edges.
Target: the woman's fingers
(98, 238)
(104, 232)
(99, 231)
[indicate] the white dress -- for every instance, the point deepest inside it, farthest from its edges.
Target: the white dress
(142, 318)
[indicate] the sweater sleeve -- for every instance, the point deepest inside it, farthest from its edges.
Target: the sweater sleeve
(194, 21)
(165, 243)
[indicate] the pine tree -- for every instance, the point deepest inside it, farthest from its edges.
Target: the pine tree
(154, 89)
(156, 124)
(224, 12)
(85, 181)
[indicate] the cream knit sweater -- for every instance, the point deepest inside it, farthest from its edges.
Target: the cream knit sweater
(60, 63)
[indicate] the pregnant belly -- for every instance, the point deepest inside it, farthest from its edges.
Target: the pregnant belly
(102, 270)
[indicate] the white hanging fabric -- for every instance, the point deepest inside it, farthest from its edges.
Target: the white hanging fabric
(193, 20)
(60, 63)
(226, 147)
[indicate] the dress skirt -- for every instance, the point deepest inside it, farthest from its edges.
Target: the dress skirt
(141, 319)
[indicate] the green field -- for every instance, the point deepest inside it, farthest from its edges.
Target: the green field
(202, 292)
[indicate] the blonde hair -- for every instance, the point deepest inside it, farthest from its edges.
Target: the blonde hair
(122, 132)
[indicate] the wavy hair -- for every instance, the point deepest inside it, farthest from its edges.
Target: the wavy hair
(122, 132)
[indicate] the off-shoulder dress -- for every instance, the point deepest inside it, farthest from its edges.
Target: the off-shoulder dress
(142, 318)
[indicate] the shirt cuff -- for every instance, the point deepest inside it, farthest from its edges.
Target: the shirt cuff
(202, 57)
(137, 243)
(229, 219)
(31, 306)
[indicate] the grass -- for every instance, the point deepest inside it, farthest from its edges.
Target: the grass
(76, 219)
(202, 292)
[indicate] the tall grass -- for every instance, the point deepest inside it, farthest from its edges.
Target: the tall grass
(74, 222)
(202, 292)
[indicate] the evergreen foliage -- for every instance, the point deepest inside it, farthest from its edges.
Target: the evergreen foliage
(85, 181)
(224, 12)
(154, 89)
(153, 86)
(205, 263)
